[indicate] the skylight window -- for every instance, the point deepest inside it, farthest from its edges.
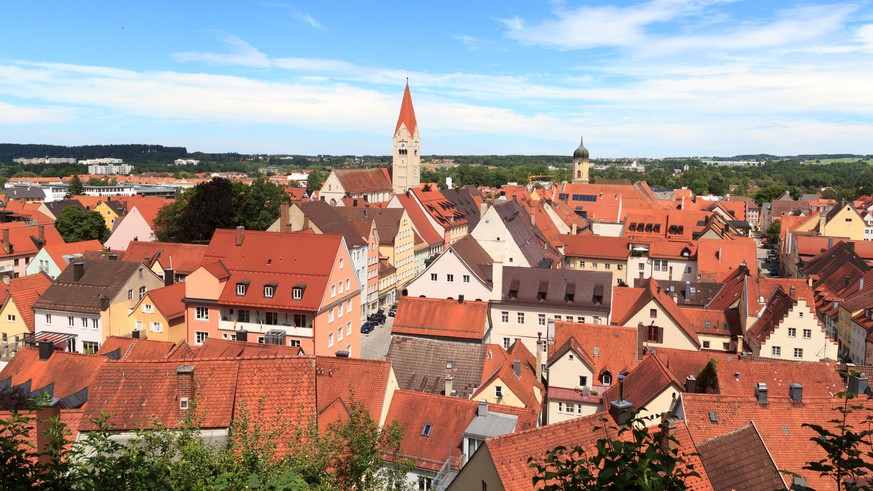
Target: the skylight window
(426, 430)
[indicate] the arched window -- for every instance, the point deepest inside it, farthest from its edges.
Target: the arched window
(578, 173)
(606, 378)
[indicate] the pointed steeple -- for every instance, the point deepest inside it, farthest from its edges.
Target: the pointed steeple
(407, 113)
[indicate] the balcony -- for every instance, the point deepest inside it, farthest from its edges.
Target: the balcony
(258, 327)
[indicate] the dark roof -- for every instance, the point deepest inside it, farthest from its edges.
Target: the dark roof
(530, 240)
(100, 278)
(463, 200)
(740, 460)
(56, 207)
(837, 208)
(420, 364)
(387, 219)
(477, 259)
(24, 192)
(528, 285)
(326, 219)
(699, 293)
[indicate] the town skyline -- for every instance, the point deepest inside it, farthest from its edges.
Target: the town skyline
(657, 78)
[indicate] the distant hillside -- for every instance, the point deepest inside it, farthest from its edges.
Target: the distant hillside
(129, 153)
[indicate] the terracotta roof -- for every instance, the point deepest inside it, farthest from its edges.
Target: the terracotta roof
(419, 219)
(57, 251)
(214, 348)
(448, 417)
(65, 373)
(732, 289)
(684, 363)
(25, 291)
(356, 181)
(606, 348)
(644, 383)
(465, 202)
(184, 258)
(100, 278)
(314, 288)
(537, 250)
(422, 364)
(819, 380)
(629, 301)
(510, 453)
(387, 220)
(407, 114)
(352, 379)
(739, 460)
(329, 221)
(717, 257)
(271, 252)
(439, 318)
(715, 322)
(437, 206)
(562, 288)
(147, 206)
(595, 246)
(525, 385)
(780, 424)
(25, 239)
(168, 300)
(134, 349)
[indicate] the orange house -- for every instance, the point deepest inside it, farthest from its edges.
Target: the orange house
(296, 289)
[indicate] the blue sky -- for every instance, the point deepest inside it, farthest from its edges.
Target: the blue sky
(645, 78)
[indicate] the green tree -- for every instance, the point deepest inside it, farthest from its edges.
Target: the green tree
(75, 188)
(630, 457)
(198, 212)
(258, 204)
(773, 232)
(75, 224)
(315, 180)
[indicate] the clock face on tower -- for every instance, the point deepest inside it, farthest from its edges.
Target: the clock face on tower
(402, 144)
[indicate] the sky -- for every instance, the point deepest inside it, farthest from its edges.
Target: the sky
(654, 78)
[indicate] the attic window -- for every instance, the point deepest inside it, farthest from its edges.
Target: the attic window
(707, 324)
(297, 292)
(570, 294)
(541, 291)
(426, 430)
(269, 290)
(242, 287)
(598, 294)
(713, 417)
(606, 378)
(513, 289)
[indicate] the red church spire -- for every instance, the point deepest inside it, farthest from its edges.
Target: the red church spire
(407, 113)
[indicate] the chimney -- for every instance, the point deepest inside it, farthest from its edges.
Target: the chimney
(761, 392)
(483, 207)
(134, 334)
(516, 367)
(739, 344)
(240, 235)
(242, 335)
(668, 427)
(539, 368)
(533, 217)
(78, 270)
(719, 254)
(830, 242)
(7, 246)
(691, 384)
(283, 217)
(861, 284)
(45, 437)
(795, 392)
(169, 275)
(482, 410)
(621, 409)
(858, 384)
(46, 348)
(460, 299)
(184, 388)
(40, 232)
(573, 229)
(687, 291)
(449, 379)
(792, 292)
(104, 301)
(497, 281)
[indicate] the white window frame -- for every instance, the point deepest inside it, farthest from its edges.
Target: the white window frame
(148, 308)
(200, 337)
(156, 326)
(519, 317)
(201, 313)
(330, 340)
(776, 351)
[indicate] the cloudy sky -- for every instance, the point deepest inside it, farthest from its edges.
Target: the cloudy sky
(647, 78)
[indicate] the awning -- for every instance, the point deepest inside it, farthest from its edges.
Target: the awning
(54, 337)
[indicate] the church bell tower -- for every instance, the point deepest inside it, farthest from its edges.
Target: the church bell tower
(580, 164)
(406, 161)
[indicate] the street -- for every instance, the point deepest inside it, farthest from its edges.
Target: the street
(374, 346)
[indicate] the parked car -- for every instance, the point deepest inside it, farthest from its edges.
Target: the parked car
(378, 317)
(367, 327)
(392, 311)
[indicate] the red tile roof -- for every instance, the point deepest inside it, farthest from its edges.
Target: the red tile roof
(271, 252)
(135, 349)
(501, 366)
(440, 209)
(183, 258)
(439, 318)
(24, 239)
(448, 417)
(740, 460)
(595, 246)
(25, 291)
(819, 380)
(352, 379)
(357, 181)
(716, 257)
(168, 300)
(419, 219)
(407, 113)
(69, 372)
(57, 251)
(214, 348)
(714, 322)
(644, 383)
(631, 301)
(609, 348)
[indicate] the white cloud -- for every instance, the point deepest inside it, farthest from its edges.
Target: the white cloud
(240, 53)
(15, 115)
(309, 20)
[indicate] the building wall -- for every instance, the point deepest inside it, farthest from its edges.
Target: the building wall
(58, 322)
(846, 223)
(332, 190)
(566, 370)
(617, 268)
(674, 336)
(716, 342)
(107, 214)
(661, 403)
(607, 229)
(815, 348)
(347, 297)
(404, 252)
(674, 270)
(528, 329)
(202, 290)
(509, 398)
(169, 331)
(16, 265)
(406, 167)
(478, 473)
(43, 262)
(858, 348)
(12, 326)
(491, 233)
(448, 264)
(116, 319)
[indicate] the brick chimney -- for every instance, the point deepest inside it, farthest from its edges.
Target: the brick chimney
(283, 217)
(449, 380)
(40, 233)
(184, 389)
(44, 438)
(240, 235)
(7, 246)
(539, 369)
(78, 270)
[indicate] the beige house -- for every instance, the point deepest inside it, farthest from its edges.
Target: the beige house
(160, 314)
(597, 253)
(651, 309)
(16, 313)
(843, 221)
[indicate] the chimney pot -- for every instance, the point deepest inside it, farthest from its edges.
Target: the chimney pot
(78, 270)
(482, 410)
(184, 387)
(240, 235)
(460, 299)
(691, 384)
(858, 384)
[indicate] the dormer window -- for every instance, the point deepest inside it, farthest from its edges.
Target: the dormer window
(606, 378)
(269, 290)
(297, 292)
(242, 287)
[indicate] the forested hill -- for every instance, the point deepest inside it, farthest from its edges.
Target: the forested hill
(129, 153)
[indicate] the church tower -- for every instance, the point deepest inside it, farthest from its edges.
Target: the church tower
(406, 162)
(580, 164)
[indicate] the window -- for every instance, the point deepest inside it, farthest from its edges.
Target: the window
(807, 334)
(580, 319)
(341, 263)
(621, 267)
(130, 294)
(433, 277)
(48, 318)
(339, 334)
(330, 315)
(348, 328)
(84, 322)
(17, 261)
(606, 378)
(581, 264)
(498, 391)
(607, 266)
(142, 292)
(93, 323)
(465, 278)
(241, 289)
(545, 347)
(137, 326)
(271, 318)
(726, 346)
(653, 313)
(332, 290)
(330, 340)
(425, 483)
(300, 320)
(504, 317)
(200, 337)
(201, 313)
(583, 381)
(243, 315)
(426, 430)
(340, 311)
(294, 343)
(90, 347)
(297, 293)
(147, 308)
(642, 266)
(506, 343)
(800, 314)
(269, 290)
(340, 287)
(798, 352)
(560, 407)
(450, 278)
(541, 319)
(655, 334)
(348, 306)
(706, 345)
(71, 322)
(156, 327)
(348, 284)
(776, 351)
(520, 318)
(10, 318)
(792, 332)
(593, 265)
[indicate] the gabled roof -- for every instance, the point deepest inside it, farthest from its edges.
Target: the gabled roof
(419, 219)
(738, 378)
(629, 301)
(352, 379)
(561, 288)
(644, 383)
(438, 318)
(715, 322)
(25, 291)
(595, 246)
(101, 278)
(134, 349)
(328, 221)
(610, 348)
(448, 418)
(63, 253)
(183, 258)
(777, 308)
(739, 459)
(56, 207)
(466, 203)
(717, 257)
(500, 365)
(422, 364)
(437, 206)
(528, 238)
(64, 374)
(313, 289)
(271, 252)
(356, 181)
(168, 300)
(387, 220)
(732, 289)
(407, 114)
(24, 239)
(474, 256)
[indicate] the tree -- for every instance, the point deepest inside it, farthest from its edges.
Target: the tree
(633, 458)
(315, 180)
(195, 214)
(75, 224)
(707, 377)
(75, 188)
(773, 232)
(258, 204)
